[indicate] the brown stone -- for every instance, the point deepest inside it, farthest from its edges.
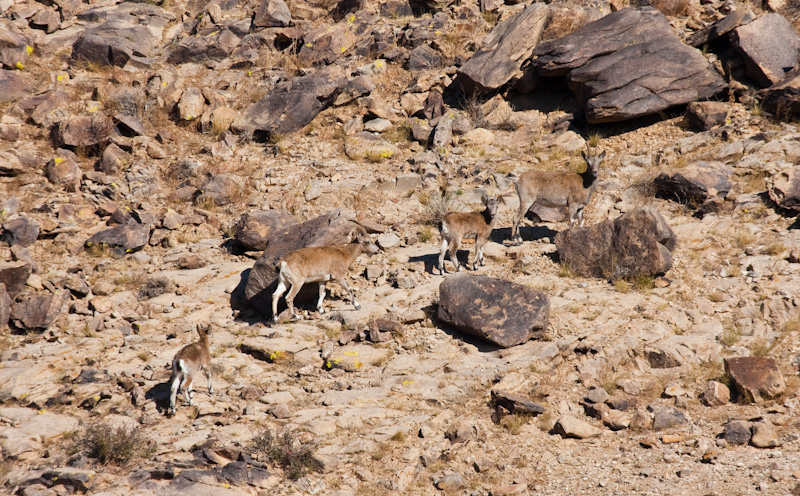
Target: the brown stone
(716, 394)
(755, 379)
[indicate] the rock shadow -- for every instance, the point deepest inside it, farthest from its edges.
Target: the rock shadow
(528, 233)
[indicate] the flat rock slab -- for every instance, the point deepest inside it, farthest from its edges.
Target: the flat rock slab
(770, 47)
(696, 182)
(755, 379)
(495, 310)
(352, 358)
(571, 427)
(636, 243)
(667, 417)
(122, 239)
(784, 188)
(502, 53)
(628, 64)
(328, 229)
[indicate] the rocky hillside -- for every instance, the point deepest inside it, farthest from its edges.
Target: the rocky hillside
(158, 159)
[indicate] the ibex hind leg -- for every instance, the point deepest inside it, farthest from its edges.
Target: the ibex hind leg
(442, 270)
(454, 246)
(347, 288)
(524, 206)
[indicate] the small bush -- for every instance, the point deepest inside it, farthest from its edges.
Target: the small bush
(116, 445)
(672, 7)
(284, 450)
(425, 234)
(156, 286)
(436, 206)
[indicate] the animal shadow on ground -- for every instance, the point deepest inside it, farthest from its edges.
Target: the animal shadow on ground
(159, 394)
(533, 233)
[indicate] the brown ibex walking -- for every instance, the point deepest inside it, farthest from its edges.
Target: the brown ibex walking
(319, 264)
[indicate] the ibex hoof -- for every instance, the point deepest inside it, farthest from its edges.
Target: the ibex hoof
(358, 307)
(321, 310)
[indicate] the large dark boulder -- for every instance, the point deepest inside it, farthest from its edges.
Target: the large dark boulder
(84, 130)
(784, 188)
(217, 45)
(636, 243)
(122, 239)
(755, 379)
(783, 99)
(126, 31)
(505, 49)
(20, 232)
(696, 182)
(254, 229)
(495, 310)
(332, 228)
(628, 64)
(39, 311)
(290, 105)
(14, 275)
(770, 47)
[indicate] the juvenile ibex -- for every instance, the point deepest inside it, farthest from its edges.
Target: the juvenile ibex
(319, 264)
(190, 360)
(456, 225)
(558, 189)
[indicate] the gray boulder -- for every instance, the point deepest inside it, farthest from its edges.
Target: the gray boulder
(272, 14)
(666, 417)
(254, 229)
(14, 86)
(703, 116)
(770, 47)
(20, 232)
(332, 228)
(784, 188)
(509, 44)
(696, 182)
(783, 99)
(628, 64)
(220, 189)
(636, 243)
(495, 310)
(423, 57)
(13, 49)
(122, 239)
(13, 276)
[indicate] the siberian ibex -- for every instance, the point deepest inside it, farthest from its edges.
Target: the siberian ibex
(558, 189)
(455, 225)
(319, 264)
(189, 361)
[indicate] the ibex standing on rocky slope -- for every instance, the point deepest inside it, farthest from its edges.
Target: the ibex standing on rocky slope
(558, 189)
(456, 225)
(190, 360)
(319, 264)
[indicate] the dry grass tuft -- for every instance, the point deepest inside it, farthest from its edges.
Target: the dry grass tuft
(672, 7)
(112, 445)
(284, 450)
(563, 22)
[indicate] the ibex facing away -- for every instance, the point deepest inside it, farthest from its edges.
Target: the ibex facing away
(558, 189)
(319, 264)
(188, 362)
(456, 225)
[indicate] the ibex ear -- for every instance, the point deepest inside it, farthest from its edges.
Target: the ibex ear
(603, 155)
